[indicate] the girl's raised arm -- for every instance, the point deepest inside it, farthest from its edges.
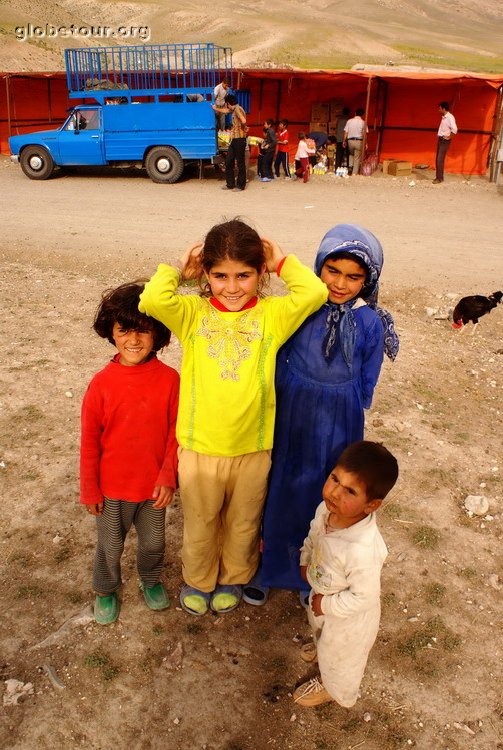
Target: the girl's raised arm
(190, 262)
(273, 254)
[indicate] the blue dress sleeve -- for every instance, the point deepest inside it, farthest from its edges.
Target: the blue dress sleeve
(372, 359)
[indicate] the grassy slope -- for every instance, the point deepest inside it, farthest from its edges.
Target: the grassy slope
(459, 34)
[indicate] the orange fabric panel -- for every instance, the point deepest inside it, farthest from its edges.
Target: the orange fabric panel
(39, 101)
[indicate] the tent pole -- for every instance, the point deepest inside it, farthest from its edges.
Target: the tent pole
(49, 99)
(7, 91)
(364, 140)
(383, 86)
(496, 137)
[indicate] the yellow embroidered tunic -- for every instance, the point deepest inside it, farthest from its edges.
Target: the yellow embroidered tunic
(227, 397)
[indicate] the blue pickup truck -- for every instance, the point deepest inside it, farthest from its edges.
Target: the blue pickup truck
(147, 106)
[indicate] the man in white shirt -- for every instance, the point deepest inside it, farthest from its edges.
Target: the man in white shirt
(220, 92)
(353, 139)
(446, 130)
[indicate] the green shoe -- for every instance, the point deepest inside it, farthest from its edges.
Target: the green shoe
(156, 596)
(106, 608)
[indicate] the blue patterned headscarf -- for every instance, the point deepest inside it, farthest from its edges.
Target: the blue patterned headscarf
(366, 248)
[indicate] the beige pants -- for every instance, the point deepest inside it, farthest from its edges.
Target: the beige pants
(222, 500)
(355, 155)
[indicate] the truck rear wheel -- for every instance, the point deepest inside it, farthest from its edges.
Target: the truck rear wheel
(36, 162)
(164, 164)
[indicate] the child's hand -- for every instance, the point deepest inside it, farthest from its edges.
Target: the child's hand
(163, 496)
(96, 509)
(273, 254)
(190, 262)
(303, 572)
(316, 604)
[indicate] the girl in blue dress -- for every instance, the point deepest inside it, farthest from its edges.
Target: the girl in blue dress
(326, 375)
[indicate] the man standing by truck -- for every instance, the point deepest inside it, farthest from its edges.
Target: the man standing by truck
(220, 92)
(237, 145)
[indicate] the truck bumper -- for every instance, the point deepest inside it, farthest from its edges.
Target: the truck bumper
(15, 158)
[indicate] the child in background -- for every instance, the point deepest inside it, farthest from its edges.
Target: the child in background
(326, 376)
(302, 156)
(262, 150)
(230, 336)
(267, 149)
(128, 456)
(282, 154)
(342, 558)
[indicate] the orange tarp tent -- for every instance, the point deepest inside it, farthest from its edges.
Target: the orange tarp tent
(401, 107)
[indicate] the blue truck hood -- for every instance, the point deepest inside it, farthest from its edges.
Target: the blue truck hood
(39, 138)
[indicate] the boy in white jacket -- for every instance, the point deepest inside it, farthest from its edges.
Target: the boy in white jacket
(342, 559)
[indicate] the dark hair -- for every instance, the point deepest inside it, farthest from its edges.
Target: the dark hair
(332, 139)
(374, 465)
(346, 111)
(346, 255)
(269, 122)
(233, 240)
(231, 99)
(360, 112)
(301, 135)
(283, 122)
(444, 105)
(120, 306)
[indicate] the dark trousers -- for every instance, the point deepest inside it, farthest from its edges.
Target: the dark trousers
(442, 148)
(281, 159)
(341, 155)
(267, 159)
(236, 153)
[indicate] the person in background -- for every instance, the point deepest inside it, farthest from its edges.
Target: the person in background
(341, 151)
(353, 139)
(237, 145)
(267, 149)
(220, 92)
(302, 157)
(282, 153)
(320, 139)
(446, 130)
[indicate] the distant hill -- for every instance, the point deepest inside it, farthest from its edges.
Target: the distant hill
(459, 34)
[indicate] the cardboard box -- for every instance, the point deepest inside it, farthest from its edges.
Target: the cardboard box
(332, 127)
(318, 127)
(400, 168)
(320, 112)
(385, 165)
(336, 107)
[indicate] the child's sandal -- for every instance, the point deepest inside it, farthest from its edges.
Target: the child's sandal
(309, 653)
(193, 601)
(225, 598)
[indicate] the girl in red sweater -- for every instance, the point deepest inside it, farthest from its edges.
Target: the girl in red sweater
(128, 456)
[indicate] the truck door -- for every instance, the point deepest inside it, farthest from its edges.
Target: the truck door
(81, 139)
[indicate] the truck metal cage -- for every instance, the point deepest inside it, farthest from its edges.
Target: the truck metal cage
(146, 70)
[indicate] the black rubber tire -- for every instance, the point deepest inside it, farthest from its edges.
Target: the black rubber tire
(164, 164)
(37, 163)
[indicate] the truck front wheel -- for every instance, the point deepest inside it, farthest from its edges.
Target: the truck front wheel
(164, 164)
(36, 162)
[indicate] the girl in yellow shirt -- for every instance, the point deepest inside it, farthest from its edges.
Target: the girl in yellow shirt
(230, 335)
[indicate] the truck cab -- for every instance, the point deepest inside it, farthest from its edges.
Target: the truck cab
(147, 106)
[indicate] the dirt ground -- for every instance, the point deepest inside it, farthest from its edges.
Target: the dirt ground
(165, 680)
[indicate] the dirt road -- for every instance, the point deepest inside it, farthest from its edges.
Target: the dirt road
(166, 681)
